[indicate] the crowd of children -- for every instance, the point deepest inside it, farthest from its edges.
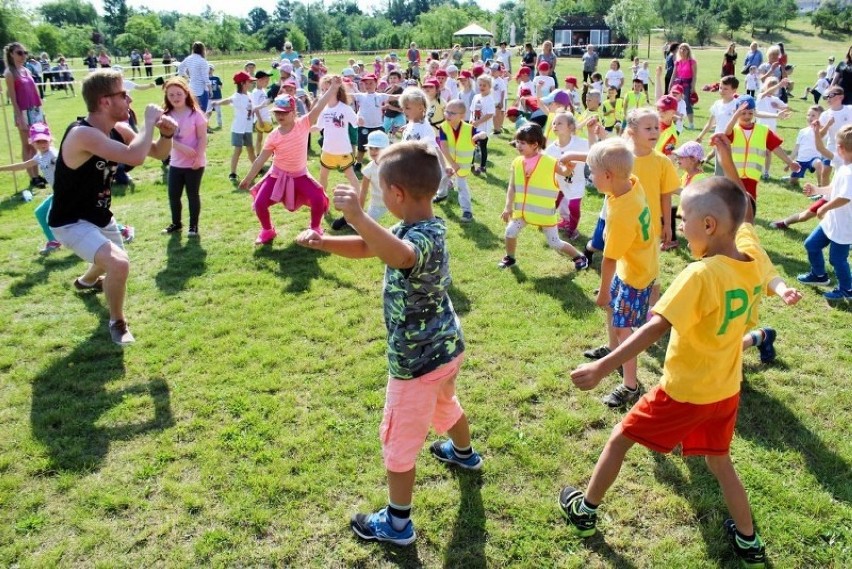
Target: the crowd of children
(426, 133)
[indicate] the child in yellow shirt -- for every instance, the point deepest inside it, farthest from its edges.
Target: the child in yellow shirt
(707, 309)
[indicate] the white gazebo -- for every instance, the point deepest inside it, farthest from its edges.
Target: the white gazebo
(473, 31)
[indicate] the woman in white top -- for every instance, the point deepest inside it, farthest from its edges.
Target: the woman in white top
(196, 68)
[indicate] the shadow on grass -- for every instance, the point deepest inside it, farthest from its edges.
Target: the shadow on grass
(461, 302)
(562, 288)
(35, 278)
(598, 544)
(475, 231)
(182, 263)
(404, 557)
(298, 265)
(771, 424)
(467, 544)
(70, 397)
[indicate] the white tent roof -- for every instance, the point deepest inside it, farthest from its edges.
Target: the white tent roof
(473, 30)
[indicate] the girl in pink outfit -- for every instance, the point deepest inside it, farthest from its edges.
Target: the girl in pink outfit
(288, 182)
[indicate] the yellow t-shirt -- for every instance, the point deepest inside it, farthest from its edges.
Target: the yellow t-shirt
(658, 176)
(710, 305)
(629, 237)
(748, 243)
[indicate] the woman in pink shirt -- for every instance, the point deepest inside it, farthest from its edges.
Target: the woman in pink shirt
(26, 104)
(686, 74)
(288, 182)
(189, 153)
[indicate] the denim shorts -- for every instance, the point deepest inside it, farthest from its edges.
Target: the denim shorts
(240, 139)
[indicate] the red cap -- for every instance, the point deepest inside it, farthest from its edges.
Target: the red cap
(369, 77)
(241, 77)
(466, 74)
(513, 111)
(676, 89)
(571, 79)
(432, 83)
(441, 73)
(526, 92)
(666, 103)
(523, 71)
(544, 66)
(478, 70)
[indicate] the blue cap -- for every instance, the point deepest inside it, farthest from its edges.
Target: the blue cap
(377, 139)
(747, 99)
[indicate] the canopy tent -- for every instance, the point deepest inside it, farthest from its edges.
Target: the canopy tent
(473, 31)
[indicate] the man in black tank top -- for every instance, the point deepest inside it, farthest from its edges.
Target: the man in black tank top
(80, 216)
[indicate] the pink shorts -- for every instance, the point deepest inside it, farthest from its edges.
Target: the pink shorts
(411, 407)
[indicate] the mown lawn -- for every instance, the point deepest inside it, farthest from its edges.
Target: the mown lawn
(241, 428)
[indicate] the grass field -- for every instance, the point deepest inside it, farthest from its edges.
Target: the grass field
(242, 427)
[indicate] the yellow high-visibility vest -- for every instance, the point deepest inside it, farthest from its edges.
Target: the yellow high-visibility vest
(671, 131)
(535, 195)
(461, 148)
(750, 153)
(618, 116)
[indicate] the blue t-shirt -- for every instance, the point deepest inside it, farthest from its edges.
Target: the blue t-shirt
(215, 87)
(424, 332)
(487, 53)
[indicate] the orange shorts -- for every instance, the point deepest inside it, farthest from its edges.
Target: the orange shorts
(659, 422)
(411, 407)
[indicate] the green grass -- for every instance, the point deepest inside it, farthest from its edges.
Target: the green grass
(242, 428)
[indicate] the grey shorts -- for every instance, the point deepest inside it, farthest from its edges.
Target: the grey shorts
(85, 238)
(241, 139)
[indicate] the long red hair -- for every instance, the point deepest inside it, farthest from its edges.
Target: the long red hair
(191, 101)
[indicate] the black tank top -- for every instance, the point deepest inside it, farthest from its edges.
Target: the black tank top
(83, 193)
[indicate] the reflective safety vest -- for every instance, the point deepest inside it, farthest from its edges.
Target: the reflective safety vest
(609, 120)
(548, 126)
(535, 195)
(666, 135)
(685, 180)
(460, 149)
(750, 153)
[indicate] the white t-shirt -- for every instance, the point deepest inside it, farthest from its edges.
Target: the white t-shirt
(821, 85)
(479, 107)
(370, 108)
(545, 83)
(576, 188)
(452, 86)
(258, 100)
(841, 117)
(467, 98)
(335, 121)
(525, 85)
(614, 78)
(598, 86)
(769, 104)
(505, 57)
(421, 131)
(752, 82)
(722, 112)
(681, 112)
(243, 118)
(644, 75)
(807, 145)
(47, 164)
(499, 91)
(837, 223)
(371, 172)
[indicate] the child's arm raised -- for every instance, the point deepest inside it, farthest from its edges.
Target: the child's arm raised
(336, 82)
(735, 118)
(587, 376)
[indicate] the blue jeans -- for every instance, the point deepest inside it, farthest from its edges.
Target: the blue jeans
(203, 99)
(838, 256)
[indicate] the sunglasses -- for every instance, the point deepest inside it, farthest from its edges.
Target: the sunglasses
(21, 52)
(833, 95)
(122, 94)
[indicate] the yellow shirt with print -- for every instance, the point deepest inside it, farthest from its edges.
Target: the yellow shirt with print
(629, 237)
(747, 242)
(658, 176)
(710, 305)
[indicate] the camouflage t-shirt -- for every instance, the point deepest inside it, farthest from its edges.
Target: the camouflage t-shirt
(423, 330)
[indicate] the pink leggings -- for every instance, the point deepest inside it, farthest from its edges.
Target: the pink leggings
(569, 210)
(308, 193)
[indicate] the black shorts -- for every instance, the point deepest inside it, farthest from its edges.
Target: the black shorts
(363, 133)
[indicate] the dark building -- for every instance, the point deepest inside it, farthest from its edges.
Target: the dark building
(571, 35)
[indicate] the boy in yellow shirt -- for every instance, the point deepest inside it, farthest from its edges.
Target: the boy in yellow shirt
(630, 252)
(708, 308)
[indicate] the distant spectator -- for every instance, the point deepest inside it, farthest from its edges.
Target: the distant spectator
(487, 52)
(729, 61)
(529, 57)
(26, 103)
(167, 62)
(590, 62)
(671, 55)
(135, 63)
(753, 57)
(457, 55)
(104, 60)
(686, 75)
(198, 70)
(843, 77)
(547, 56)
(504, 56)
(288, 52)
(91, 61)
(148, 60)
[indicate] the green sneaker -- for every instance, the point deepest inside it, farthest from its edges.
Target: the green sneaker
(751, 555)
(570, 500)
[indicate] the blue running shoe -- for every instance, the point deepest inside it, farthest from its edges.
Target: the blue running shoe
(812, 279)
(767, 347)
(444, 452)
(838, 294)
(377, 527)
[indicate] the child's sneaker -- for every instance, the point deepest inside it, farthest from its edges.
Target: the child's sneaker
(444, 452)
(767, 346)
(781, 224)
(573, 236)
(377, 527)
(50, 247)
(506, 262)
(265, 236)
(570, 501)
(751, 554)
(812, 279)
(597, 353)
(838, 294)
(621, 396)
(764, 176)
(128, 233)
(466, 217)
(339, 223)
(580, 262)
(232, 177)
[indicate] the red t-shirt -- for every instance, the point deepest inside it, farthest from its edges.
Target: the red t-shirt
(773, 141)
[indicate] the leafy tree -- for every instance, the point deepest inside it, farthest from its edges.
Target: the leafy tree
(257, 18)
(169, 19)
(538, 19)
(284, 11)
(788, 9)
(436, 27)
(76, 40)
(127, 42)
(145, 28)
(705, 24)
(271, 35)
(15, 25)
(632, 18)
(297, 37)
(733, 17)
(833, 17)
(49, 38)
(333, 40)
(69, 12)
(311, 19)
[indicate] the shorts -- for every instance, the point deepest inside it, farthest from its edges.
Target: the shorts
(363, 133)
(33, 115)
(817, 204)
(411, 407)
(660, 423)
(629, 305)
(240, 139)
(598, 235)
(391, 123)
(353, 135)
(263, 127)
(336, 161)
(85, 238)
(807, 165)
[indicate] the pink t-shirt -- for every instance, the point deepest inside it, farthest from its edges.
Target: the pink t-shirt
(290, 151)
(187, 133)
(683, 68)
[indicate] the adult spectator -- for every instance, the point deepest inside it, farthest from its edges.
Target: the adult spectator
(64, 76)
(288, 52)
(685, 74)
(529, 57)
(148, 61)
(413, 57)
(197, 69)
(504, 56)
(753, 57)
(547, 56)
(457, 55)
(671, 55)
(487, 52)
(843, 77)
(26, 103)
(80, 216)
(46, 74)
(773, 67)
(729, 61)
(103, 59)
(90, 60)
(590, 62)
(135, 63)
(167, 62)
(34, 67)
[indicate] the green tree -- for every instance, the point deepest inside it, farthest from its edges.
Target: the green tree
(116, 14)
(15, 24)
(283, 11)
(76, 40)
(257, 18)
(632, 18)
(298, 38)
(145, 28)
(436, 27)
(733, 17)
(49, 39)
(538, 19)
(69, 12)
(127, 42)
